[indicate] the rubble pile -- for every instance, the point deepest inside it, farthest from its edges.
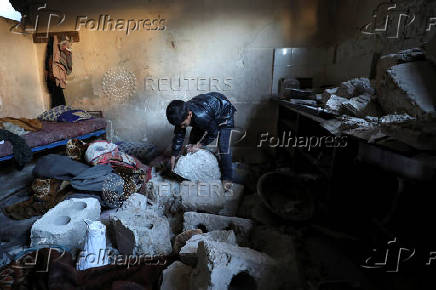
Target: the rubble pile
(403, 90)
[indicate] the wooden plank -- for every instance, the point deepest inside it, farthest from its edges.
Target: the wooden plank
(42, 37)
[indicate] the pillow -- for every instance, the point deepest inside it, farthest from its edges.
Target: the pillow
(54, 113)
(74, 116)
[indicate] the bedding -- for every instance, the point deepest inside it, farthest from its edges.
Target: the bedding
(57, 133)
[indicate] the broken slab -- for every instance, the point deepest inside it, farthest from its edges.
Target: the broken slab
(199, 166)
(188, 253)
(409, 88)
(176, 276)
(64, 224)
(140, 230)
(354, 88)
(388, 61)
(210, 222)
(327, 94)
(210, 197)
(360, 106)
(334, 103)
(224, 266)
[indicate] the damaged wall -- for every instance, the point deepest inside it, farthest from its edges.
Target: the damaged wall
(357, 43)
(224, 46)
(20, 86)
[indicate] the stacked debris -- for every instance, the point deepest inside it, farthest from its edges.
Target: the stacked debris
(403, 91)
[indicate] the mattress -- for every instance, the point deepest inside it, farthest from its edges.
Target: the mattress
(55, 134)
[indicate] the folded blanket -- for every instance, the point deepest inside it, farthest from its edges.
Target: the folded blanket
(27, 124)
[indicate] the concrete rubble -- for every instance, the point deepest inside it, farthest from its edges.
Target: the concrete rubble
(199, 166)
(176, 276)
(355, 88)
(210, 222)
(64, 224)
(210, 197)
(360, 106)
(181, 239)
(139, 229)
(409, 88)
(188, 253)
(388, 61)
(223, 266)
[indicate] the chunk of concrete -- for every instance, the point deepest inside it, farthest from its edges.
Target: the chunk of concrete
(327, 94)
(388, 61)
(354, 88)
(210, 197)
(140, 230)
(176, 276)
(409, 88)
(360, 106)
(188, 253)
(210, 222)
(181, 239)
(64, 224)
(334, 103)
(199, 166)
(224, 266)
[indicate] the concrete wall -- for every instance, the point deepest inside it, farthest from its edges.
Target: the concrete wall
(228, 43)
(20, 86)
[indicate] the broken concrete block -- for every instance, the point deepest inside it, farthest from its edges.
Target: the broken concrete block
(388, 61)
(334, 103)
(210, 197)
(199, 166)
(64, 224)
(139, 229)
(176, 276)
(210, 222)
(354, 88)
(188, 253)
(182, 238)
(224, 266)
(327, 94)
(409, 88)
(360, 106)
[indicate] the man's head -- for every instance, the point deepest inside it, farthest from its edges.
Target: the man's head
(178, 114)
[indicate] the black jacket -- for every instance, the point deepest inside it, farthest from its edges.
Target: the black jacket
(209, 112)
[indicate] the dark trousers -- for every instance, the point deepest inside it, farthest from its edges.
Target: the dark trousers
(56, 94)
(224, 149)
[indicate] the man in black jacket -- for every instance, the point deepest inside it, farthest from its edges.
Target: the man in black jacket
(210, 116)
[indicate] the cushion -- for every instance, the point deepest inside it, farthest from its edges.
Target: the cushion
(54, 113)
(74, 116)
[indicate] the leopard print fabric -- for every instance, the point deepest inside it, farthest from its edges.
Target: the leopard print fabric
(76, 149)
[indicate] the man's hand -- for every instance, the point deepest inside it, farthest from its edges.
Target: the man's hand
(227, 185)
(173, 162)
(193, 148)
